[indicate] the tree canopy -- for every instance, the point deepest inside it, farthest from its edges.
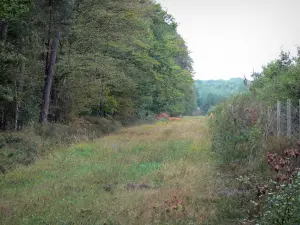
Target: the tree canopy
(61, 59)
(279, 79)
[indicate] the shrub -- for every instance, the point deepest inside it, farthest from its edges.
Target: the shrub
(239, 147)
(281, 197)
(22, 148)
(238, 130)
(16, 148)
(101, 126)
(282, 207)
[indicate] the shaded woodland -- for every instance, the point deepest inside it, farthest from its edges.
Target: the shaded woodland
(64, 59)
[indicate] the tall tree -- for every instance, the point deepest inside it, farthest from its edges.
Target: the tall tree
(122, 59)
(49, 71)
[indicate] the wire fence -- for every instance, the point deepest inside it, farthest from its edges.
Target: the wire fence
(283, 120)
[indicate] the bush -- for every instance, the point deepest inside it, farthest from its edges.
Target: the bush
(22, 148)
(16, 148)
(240, 142)
(282, 207)
(101, 126)
(239, 147)
(238, 131)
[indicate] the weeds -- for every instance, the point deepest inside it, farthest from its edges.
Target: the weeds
(243, 152)
(237, 132)
(118, 180)
(282, 206)
(279, 200)
(23, 148)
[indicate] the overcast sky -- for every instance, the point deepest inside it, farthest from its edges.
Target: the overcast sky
(230, 38)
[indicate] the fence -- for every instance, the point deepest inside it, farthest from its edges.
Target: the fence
(283, 120)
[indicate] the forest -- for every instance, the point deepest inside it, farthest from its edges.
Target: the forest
(212, 92)
(65, 59)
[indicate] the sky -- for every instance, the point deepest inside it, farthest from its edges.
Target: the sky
(231, 38)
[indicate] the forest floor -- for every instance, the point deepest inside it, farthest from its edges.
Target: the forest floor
(150, 174)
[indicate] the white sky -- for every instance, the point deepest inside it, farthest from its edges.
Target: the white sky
(230, 38)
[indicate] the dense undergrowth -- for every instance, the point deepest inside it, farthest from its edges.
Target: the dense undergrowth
(261, 189)
(261, 165)
(23, 148)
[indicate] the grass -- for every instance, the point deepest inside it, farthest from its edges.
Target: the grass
(149, 174)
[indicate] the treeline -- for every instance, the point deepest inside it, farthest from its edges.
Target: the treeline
(61, 59)
(279, 80)
(212, 92)
(263, 166)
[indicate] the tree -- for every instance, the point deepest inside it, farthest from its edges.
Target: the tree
(121, 59)
(212, 92)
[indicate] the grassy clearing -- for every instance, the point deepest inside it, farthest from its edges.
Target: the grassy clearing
(150, 174)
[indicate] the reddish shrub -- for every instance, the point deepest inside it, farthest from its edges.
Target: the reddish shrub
(162, 116)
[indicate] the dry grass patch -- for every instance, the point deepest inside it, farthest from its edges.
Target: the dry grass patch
(151, 174)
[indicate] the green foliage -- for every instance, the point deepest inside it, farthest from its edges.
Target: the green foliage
(239, 142)
(177, 109)
(24, 147)
(16, 149)
(279, 80)
(212, 92)
(236, 137)
(282, 207)
(14, 8)
(122, 59)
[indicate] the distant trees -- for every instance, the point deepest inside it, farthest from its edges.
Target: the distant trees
(211, 92)
(61, 59)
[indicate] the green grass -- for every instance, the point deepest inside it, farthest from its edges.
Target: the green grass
(88, 182)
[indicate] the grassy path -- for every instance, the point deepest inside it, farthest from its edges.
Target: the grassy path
(150, 174)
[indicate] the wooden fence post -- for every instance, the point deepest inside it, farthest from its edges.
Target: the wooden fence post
(278, 118)
(299, 119)
(289, 119)
(268, 125)
(269, 115)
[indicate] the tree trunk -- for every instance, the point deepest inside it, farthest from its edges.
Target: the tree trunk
(17, 113)
(49, 71)
(101, 113)
(2, 119)
(3, 30)
(19, 94)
